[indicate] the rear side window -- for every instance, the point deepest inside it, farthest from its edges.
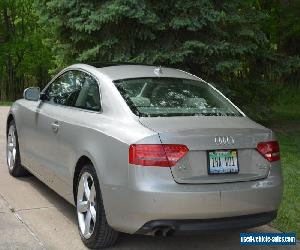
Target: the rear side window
(89, 97)
(162, 96)
(75, 89)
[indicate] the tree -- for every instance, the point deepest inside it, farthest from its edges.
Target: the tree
(242, 45)
(221, 41)
(283, 30)
(24, 57)
(203, 36)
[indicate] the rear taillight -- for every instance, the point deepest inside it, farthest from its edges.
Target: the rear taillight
(161, 155)
(269, 150)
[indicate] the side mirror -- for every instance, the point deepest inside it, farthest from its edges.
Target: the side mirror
(32, 94)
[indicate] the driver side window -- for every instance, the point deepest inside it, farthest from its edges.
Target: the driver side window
(75, 89)
(65, 89)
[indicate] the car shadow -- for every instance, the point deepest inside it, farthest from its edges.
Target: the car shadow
(67, 209)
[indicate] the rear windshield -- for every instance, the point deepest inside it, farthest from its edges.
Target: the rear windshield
(161, 96)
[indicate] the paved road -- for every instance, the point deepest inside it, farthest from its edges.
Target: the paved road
(32, 216)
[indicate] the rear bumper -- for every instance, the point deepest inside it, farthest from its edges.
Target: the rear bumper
(152, 195)
(181, 227)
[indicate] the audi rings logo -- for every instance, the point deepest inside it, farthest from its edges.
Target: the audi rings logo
(224, 140)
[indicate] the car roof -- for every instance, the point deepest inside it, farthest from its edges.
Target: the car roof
(127, 71)
(140, 71)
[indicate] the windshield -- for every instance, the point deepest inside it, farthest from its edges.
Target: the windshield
(161, 96)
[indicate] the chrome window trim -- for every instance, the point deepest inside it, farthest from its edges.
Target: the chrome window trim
(71, 107)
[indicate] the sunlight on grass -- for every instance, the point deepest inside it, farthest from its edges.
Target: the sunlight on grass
(288, 219)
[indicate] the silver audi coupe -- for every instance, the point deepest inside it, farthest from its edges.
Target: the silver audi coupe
(145, 149)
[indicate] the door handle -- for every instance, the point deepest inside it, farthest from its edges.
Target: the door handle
(55, 126)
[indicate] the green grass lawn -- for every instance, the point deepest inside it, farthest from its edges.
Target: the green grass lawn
(286, 124)
(288, 219)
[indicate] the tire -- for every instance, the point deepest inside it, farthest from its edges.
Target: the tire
(97, 233)
(13, 153)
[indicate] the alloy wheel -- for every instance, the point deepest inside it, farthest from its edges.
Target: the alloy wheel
(86, 205)
(11, 147)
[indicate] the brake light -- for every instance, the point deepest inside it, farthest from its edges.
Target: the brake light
(269, 150)
(161, 155)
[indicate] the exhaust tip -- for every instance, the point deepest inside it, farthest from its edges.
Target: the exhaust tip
(163, 231)
(158, 232)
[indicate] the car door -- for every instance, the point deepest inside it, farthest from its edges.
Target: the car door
(57, 95)
(74, 129)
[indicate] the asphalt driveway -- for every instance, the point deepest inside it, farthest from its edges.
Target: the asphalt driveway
(32, 216)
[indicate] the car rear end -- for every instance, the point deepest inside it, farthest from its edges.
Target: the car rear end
(246, 191)
(212, 169)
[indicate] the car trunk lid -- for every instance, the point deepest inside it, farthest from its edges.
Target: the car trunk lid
(199, 134)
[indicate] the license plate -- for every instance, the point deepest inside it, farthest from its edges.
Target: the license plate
(222, 162)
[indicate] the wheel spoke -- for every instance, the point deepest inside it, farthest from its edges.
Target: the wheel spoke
(87, 190)
(13, 139)
(87, 223)
(10, 146)
(82, 206)
(11, 160)
(93, 213)
(14, 152)
(80, 192)
(92, 193)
